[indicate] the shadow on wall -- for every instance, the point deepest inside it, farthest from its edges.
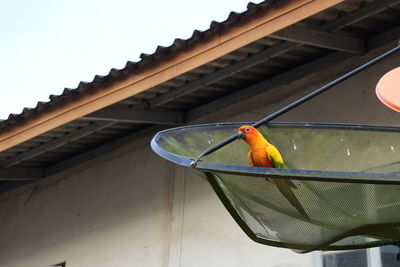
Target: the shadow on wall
(352, 101)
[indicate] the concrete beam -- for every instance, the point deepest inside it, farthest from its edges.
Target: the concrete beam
(21, 174)
(358, 14)
(384, 38)
(101, 150)
(60, 141)
(122, 114)
(312, 37)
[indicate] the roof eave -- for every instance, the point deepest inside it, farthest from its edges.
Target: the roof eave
(279, 16)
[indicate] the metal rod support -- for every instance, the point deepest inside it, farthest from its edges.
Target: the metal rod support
(297, 103)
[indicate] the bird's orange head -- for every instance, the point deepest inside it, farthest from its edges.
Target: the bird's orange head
(248, 133)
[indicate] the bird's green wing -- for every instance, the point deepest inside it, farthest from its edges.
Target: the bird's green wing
(284, 185)
(277, 161)
(275, 156)
(287, 192)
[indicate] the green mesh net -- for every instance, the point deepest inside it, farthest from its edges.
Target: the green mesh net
(344, 176)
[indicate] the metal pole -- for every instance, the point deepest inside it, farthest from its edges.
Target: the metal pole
(297, 103)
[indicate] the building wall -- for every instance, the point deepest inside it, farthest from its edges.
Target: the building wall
(132, 208)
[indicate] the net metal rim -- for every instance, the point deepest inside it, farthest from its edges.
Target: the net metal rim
(295, 174)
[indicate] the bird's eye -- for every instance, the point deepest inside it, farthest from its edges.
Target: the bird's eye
(247, 129)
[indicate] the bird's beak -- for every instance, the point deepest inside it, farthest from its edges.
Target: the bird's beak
(241, 136)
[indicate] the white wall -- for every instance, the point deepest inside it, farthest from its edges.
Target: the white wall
(132, 208)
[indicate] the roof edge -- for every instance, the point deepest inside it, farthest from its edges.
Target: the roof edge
(277, 16)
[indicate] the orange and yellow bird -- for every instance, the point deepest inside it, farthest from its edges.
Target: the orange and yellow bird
(264, 154)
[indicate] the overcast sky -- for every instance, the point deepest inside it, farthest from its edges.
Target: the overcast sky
(49, 45)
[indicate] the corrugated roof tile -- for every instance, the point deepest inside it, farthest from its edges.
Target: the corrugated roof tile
(130, 66)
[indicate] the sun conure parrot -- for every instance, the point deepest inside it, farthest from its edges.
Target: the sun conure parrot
(264, 154)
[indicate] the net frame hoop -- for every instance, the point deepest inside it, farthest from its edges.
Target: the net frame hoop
(295, 174)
